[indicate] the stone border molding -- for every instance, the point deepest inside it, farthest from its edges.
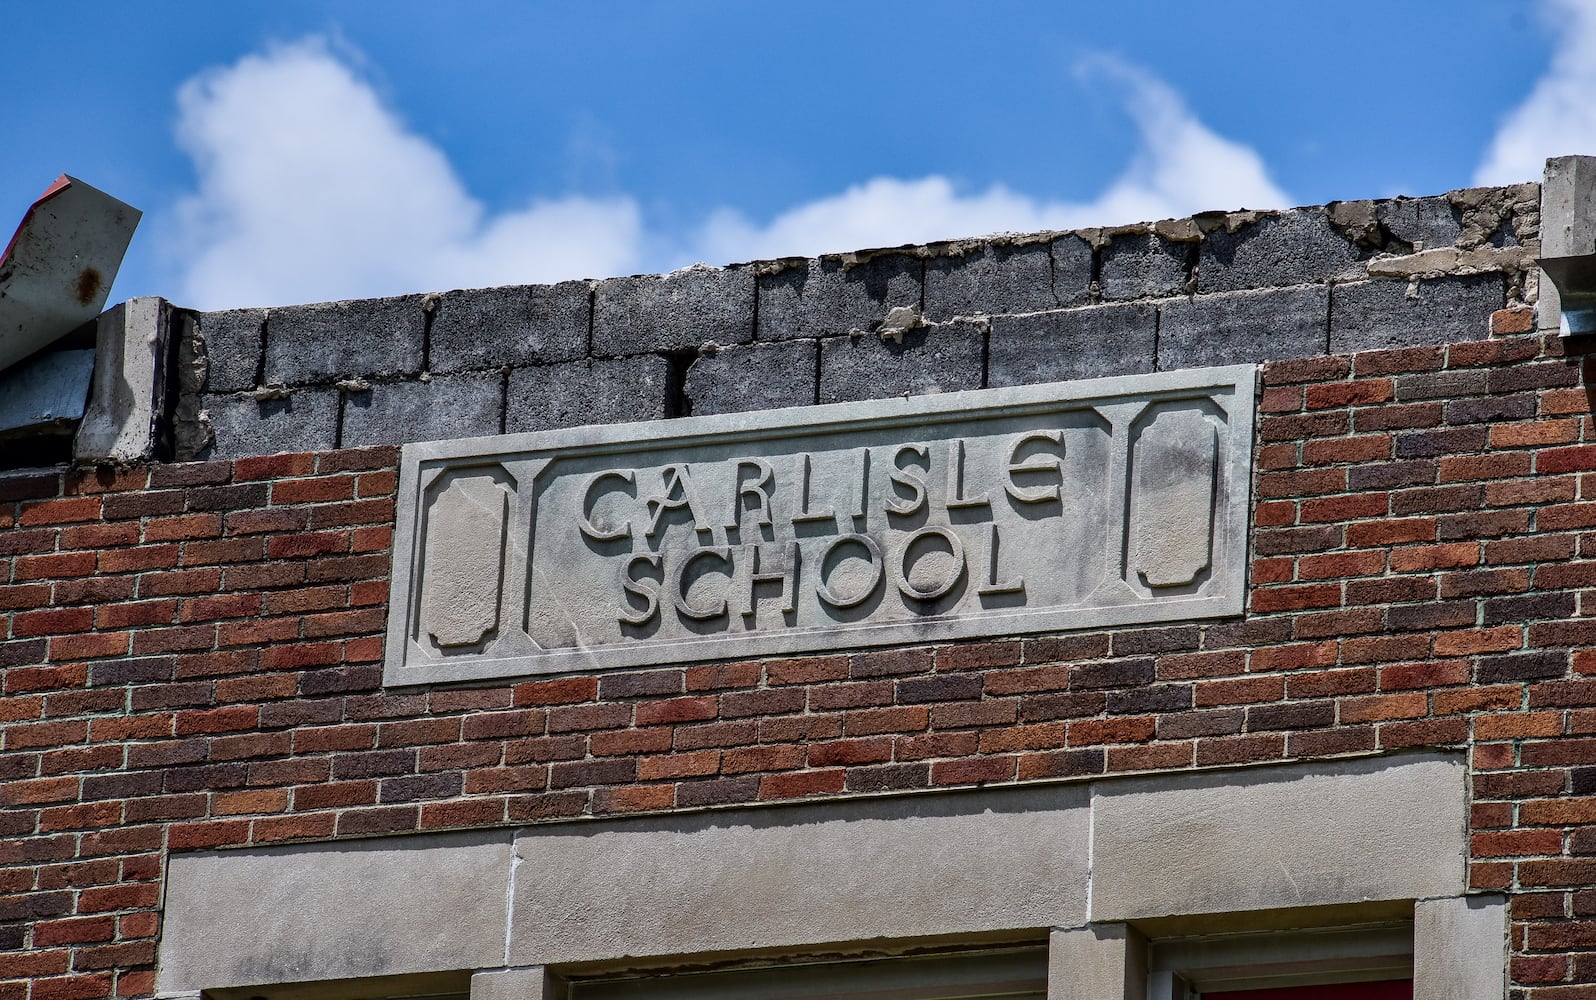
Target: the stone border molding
(992, 512)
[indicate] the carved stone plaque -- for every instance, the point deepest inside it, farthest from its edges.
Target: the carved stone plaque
(991, 513)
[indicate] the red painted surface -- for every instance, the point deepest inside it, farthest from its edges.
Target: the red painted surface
(1398, 989)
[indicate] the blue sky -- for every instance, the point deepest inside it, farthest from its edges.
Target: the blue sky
(294, 151)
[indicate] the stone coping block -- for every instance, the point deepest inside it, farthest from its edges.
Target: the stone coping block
(991, 860)
(519, 325)
(1336, 832)
(340, 910)
(991, 512)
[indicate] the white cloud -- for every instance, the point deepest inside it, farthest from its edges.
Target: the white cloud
(1180, 167)
(1559, 115)
(310, 188)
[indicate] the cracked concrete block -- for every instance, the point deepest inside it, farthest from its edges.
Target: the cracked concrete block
(826, 297)
(1291, 248)
(601, 391)
(446, 406)
(753, 377)
(997, 277)
(1346, 831)
(303, 420)
(1072, 270)
(1430, 222)
(332, 340)
(942, 358)
(1142, 265)
(686, 308)
(1090, 342)
(232, 348)
(1367, 315)
(519, 325)
(1235, 328)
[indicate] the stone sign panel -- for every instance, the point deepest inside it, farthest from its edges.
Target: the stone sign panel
(988, 513)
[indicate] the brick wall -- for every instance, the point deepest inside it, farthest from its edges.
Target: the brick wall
(191, 658)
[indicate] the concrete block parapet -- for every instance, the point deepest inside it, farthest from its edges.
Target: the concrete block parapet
(683, 309)
(992, 311)
(998, 276)
(1422, 222)
(941, 358)
(587, 392)
(519, 325)
(1089, 342)
(1290, 248)
(754, 377)
(267, 423)
(832, 295)
(332, 340)
(445, 406)
(232, 339)
(1243, 327)
(1366, 315)
(1142, 265)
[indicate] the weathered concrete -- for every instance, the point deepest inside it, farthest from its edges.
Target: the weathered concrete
(127, 394)
(232, 340)
(842, 871)
(1100, 962)
(760, 376)
(941, 358)
(1243, 327)
(1065, 344)
(520, 325)
(602, 391)
(1568, 207)
(1072, 270)
(1421, 222)
(998, 277)
(530, 983)
(333, 340)
(445, 406)
(1370, 315)
(301, 420)
(334, 911)
(949, 515)
(1142, 265)
(1339, 832)
(1460, 948)
(831, 296)
(50, 388)
(1288, 248)
(685, 308)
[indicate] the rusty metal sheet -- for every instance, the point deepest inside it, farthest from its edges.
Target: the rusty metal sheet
(57, 270)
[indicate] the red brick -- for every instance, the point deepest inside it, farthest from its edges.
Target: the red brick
(798, 784)
(312, 490)
(1391, 532)
(1296, 598)
(64, 510)
(976, 771)
(677, 710)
